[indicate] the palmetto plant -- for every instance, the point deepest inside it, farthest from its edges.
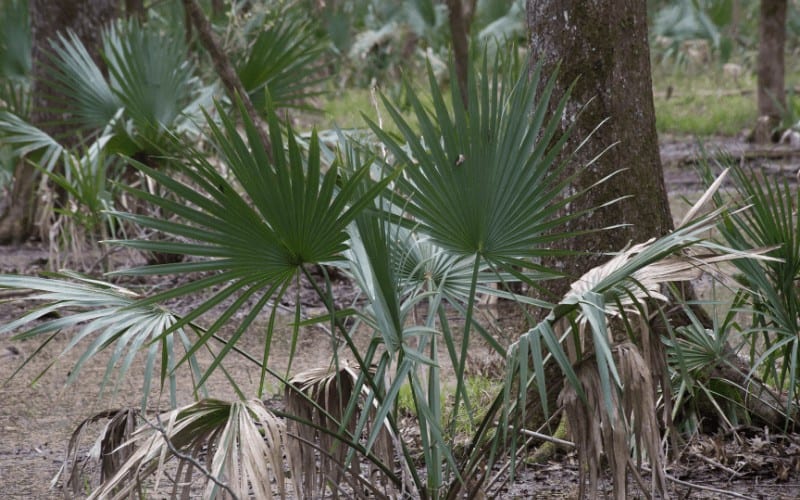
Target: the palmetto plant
(769, 288)
(148, 93)
(470, 198)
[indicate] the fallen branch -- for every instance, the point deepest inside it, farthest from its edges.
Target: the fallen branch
(716, 464)
(770, 153)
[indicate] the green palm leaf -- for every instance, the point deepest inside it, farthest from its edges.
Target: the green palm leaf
(26, 139)
(254, 232)
(87, 96)
(771, 221)
(283, 62)
(107, 317)
(150, 75)
(482, 179)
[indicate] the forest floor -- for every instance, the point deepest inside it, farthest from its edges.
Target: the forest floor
(37, 419)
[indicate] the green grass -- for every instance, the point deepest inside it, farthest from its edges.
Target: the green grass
(705, 102)
(480, 391)
(705, 115)
(345, 108)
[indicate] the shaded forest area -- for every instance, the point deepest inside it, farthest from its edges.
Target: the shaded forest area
(481, 248)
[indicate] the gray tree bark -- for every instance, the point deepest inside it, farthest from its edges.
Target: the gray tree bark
(85, 18)
(602, 47)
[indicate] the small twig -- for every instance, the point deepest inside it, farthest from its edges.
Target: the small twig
(182, 456)
(716, 464)
(545, 437)
(701, 487)
(222, 64)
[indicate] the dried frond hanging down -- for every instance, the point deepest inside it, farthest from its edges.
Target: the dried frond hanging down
(327, 414)
(633, 422)
(244, 444)
(108, 448)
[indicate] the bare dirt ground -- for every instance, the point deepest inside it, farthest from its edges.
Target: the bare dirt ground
(37, 418)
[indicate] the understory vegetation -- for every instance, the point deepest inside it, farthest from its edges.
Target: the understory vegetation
(431, 207)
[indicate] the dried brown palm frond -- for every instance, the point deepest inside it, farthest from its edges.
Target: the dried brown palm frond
(237, 447)
(328, 411)
(611, 379)
(108, 448)
(633, 422)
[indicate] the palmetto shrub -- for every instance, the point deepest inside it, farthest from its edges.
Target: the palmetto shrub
(471, 198)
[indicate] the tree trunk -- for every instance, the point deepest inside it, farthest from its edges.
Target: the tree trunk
(771, 93)
(135, 9)
(458, 32)
(85, 18)
(601, 47)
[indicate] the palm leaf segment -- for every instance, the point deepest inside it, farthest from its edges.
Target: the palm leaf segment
(243, 439)
(256, 231)
(482, 178)
(284, 61)
(106, 315)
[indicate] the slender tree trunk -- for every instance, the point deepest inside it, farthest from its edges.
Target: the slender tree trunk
(135, 9)
(217, 9)
(771, 93)
(458, 32)
(224, 67)
(85, 18)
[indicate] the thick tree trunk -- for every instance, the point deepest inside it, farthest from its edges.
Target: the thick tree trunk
(771, 93)
(601, 48)
(85, 18)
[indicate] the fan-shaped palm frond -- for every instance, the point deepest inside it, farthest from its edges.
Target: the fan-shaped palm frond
(150, 74)
(149, 77)
(243, 442)
(482, 179)
(255, 232)
(107, 316)
(27, 140)
(284, 61)
(88, 98)
(771, 285)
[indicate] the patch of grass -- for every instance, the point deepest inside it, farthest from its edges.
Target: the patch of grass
(706, 102)
(480, 391)
(703, 103)
(705, 115)
(343, 108)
